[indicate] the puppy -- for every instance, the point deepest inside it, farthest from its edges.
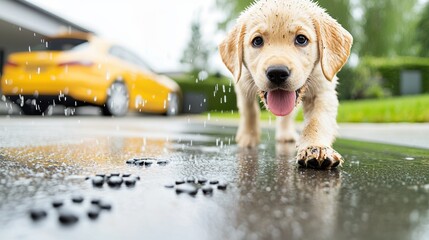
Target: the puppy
(287, 52)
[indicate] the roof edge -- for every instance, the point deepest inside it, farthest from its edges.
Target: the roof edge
(52, 15)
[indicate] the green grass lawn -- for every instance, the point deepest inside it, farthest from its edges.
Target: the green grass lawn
(389, 110)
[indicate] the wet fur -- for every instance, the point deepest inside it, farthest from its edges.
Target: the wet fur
(314, 68)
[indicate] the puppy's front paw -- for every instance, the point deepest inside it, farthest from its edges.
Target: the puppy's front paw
(247, 139)
(319, 158)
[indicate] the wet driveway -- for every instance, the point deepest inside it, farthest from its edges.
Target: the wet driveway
(381, 192)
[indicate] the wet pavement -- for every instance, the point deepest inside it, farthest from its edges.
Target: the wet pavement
(381, 192)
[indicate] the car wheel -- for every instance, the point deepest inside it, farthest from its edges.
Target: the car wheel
(117, 100)
(30, 107)
(173, 104)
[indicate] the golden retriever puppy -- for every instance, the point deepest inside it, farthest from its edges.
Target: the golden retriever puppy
(287, 52)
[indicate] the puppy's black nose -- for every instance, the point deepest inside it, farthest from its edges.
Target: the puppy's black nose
(278, 74)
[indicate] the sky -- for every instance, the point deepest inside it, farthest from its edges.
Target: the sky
(156, 30)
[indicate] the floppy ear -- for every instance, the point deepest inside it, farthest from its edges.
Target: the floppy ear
(334, 42)
(231, 51)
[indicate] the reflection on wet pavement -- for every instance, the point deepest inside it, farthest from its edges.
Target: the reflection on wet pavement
(382, 192)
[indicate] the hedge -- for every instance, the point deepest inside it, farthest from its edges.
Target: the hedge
(215, 90)
(390, 70)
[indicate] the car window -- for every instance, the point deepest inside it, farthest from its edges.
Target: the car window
(128, 56)
(61, 44)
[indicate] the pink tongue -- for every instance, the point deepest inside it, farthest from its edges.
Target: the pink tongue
(281, 102)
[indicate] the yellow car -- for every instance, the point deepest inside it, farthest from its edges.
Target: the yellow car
(81, 69)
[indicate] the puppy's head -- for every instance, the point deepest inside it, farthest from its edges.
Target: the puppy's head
(281, 43)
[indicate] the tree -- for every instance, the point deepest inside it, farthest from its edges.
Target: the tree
(340, 10)
(388, 28)
(232, 8)
(380, 28)
(422, 32)
(196, 53)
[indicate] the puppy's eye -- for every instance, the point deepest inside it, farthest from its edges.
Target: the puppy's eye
(301, 40)
(258, 42)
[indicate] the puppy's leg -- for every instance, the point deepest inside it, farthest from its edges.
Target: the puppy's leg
(320, 128)
(285, 129)
(248, 132)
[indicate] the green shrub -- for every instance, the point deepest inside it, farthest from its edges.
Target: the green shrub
(217, 91)
(346, 77)
(360, 83)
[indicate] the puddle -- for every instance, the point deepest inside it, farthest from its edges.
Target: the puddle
(379, 193)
